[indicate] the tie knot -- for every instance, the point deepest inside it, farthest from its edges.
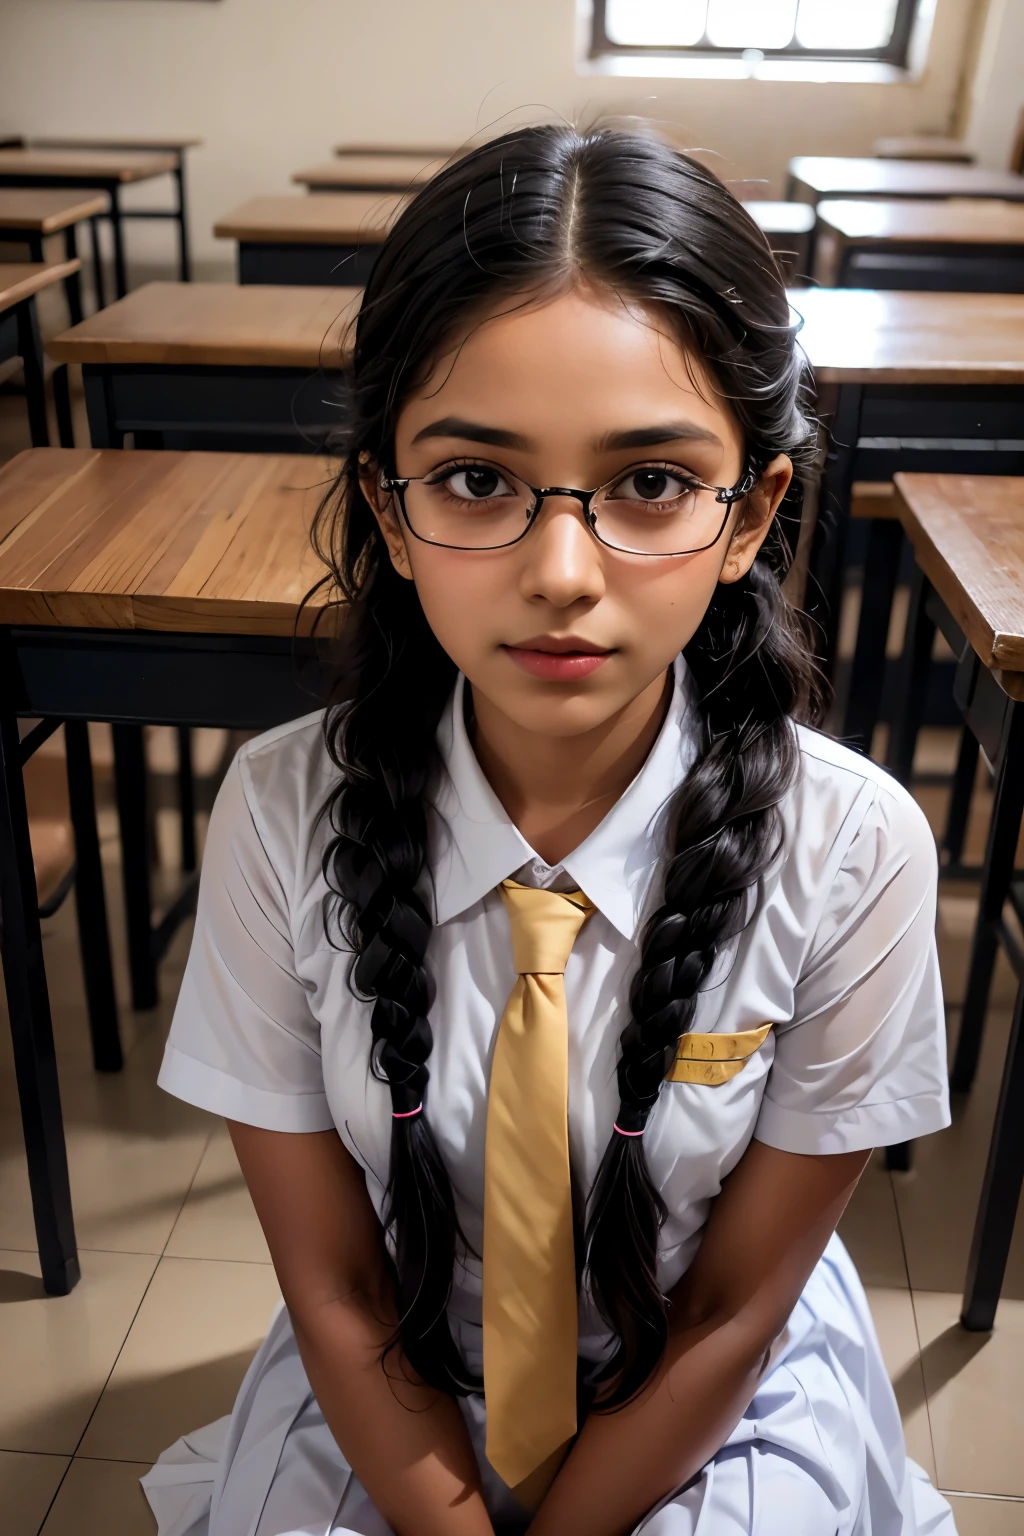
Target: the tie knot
(544, 926)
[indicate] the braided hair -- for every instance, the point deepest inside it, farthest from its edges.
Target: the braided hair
(531, 213)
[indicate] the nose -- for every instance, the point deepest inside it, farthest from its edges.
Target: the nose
(562, 561)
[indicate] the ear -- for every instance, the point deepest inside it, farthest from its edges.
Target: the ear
(757, 510)
(384, 507)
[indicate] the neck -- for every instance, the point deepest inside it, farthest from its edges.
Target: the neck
(557, 789)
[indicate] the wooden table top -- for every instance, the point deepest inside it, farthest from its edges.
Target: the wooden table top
(879, 336)
(421, 151)
(968, 537)
(953, 220)
(781, 218)
(835, 176)
(178, 542)
(330, 218)
(924, 146)
(392, 173)
(21, 279)
(143, 141)
(217, 324)
(48, 209)
(86, 164)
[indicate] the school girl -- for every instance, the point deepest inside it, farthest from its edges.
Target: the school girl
(558, 981)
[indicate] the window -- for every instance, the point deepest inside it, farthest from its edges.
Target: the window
(812, 29)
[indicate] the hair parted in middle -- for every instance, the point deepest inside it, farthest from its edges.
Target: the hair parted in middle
(531, 214)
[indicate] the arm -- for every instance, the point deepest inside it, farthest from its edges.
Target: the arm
(767, 1230)
(406, 1442)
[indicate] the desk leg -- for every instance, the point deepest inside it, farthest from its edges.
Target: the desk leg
(908, 709)
(117, 229)
(823, 598)
(1000, 1191)
(28, 1001)
(997, 872)
(186, 799)
(184, 260)
(99, 285)
(91, 904)
(960, 798)
(867, 676)
(62, 406)
(73, 284)
(130, 786)
(31, 349)
(99, 407)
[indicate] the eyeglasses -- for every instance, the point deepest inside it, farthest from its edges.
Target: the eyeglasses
(650, 510)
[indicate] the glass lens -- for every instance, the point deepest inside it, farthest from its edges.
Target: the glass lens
(469, 506)
(654, 511)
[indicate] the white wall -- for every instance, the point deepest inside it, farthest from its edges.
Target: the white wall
(997, 93)
(272, 84)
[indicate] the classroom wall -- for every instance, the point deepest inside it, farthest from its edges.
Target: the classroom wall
(997, 87)
(272, 84)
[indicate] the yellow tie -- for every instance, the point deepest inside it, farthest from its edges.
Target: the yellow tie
(529, 1267)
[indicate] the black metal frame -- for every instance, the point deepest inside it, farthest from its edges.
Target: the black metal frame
(130, 678)
(19, 337)
(306, 264)
(894, 52)
(933, 267)
(33, 238)
(994, 721)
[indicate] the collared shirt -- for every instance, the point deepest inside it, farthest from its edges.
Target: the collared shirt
(839, 957)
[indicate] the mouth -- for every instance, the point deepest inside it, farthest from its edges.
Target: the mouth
(558, 659)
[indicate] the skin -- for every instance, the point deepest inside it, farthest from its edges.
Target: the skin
(564, 376)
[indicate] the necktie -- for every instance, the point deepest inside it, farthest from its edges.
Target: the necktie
(529, 1268)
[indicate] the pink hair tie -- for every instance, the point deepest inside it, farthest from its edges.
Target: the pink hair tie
(406, 1114)
(621, 1132)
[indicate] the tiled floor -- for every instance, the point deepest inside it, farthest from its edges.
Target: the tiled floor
(177, 1288)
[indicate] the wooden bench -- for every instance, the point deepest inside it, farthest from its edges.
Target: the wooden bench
(369, 173)
(30, 214)
(332, 238)
(967, 534)
(786, 227)
(189, 365)
(20, 281)
(948, 245)
(136, 588)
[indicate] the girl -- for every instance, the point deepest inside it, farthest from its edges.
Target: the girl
(558, 982)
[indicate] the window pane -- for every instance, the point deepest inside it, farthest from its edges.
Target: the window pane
(751, 23)
(656, 23)
(828, 24)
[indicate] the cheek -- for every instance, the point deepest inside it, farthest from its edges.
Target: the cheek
(462, 595)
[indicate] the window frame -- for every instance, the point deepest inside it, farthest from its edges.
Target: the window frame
(896, 52)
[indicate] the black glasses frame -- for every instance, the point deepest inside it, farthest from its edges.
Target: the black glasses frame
(726, 495)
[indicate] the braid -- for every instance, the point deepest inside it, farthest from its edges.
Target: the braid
(724, 833)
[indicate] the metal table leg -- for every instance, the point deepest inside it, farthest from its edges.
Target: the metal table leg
(184, 259)
(867, 675)
(97, 263)
(117, 228)
(960, 798)
(91, 904)
(73, 284)
(130, 788)
(826, 566)
(908, 711)
(31, 349)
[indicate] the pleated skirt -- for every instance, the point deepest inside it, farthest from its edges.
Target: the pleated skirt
(819, 1451)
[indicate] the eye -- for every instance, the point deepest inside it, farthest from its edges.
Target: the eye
(475, 482)
(653, 485)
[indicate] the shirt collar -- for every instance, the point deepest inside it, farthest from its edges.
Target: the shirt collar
(474, 845)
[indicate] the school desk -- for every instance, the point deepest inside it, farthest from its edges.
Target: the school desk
(967, 534)
(424, 151)
(30, 214)
(136, 588)
(813, 177)
(20, 281)
(172, 145)
(947, 245)
(333, 238)
(786, 227)
(907, 381)
(107, 171)
(192, 365)
(924, 146)
(369, 173)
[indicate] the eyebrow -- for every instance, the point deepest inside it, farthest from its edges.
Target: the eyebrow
(631, 437)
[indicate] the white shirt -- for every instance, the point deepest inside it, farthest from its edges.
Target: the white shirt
(840, 957)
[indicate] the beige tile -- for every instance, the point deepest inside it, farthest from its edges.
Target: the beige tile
(185, 1357)
(987, 1517)
(99, 1498)
(27, 1486)
(870, 1229)
(893, 1314)
(973, 1381)
(57, 1351)
(217, 1220)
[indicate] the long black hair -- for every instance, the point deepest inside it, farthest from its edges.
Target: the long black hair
(530, 212)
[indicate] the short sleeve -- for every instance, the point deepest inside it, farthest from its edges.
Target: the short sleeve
(244, 1042)
(863, 1062)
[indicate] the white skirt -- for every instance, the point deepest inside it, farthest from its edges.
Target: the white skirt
(819, 1451)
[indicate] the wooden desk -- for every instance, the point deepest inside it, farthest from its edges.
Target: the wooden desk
(20, 281)
(967, 536)
(134, 588)
(908, 381)
(787, 227)
(423, 151)
(369, 173)
(108, 171)
(813, 177)
(191, 365)
(924, 146)
(30, 214)
(332, 238)
(950, 245)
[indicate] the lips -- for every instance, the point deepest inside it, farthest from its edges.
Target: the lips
(556, 659)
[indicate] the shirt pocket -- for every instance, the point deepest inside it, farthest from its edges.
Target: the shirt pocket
(713, 1059)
